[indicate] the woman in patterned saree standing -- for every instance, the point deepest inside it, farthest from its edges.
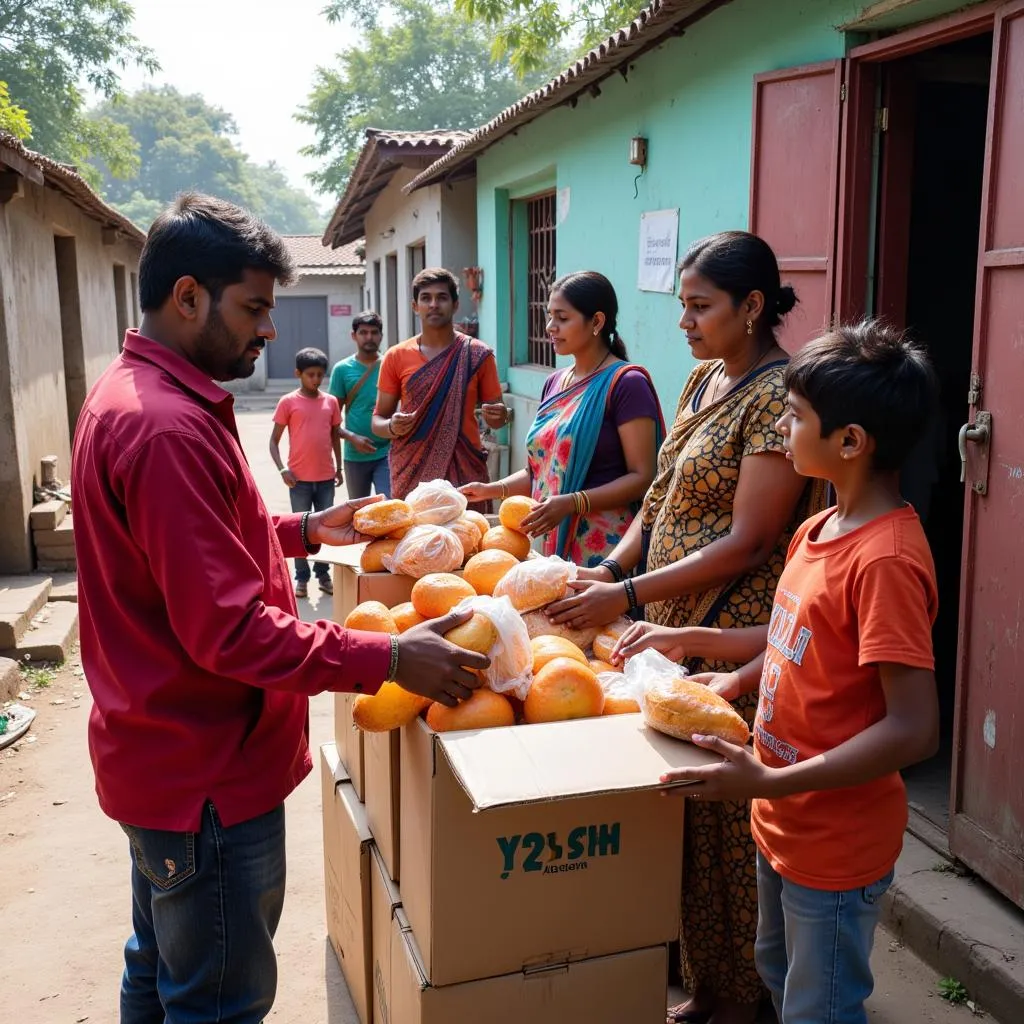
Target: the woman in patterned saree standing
(593, 446)
(711, 542)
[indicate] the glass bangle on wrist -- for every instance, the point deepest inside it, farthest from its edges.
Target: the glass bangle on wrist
(630, 595)
(618, 576)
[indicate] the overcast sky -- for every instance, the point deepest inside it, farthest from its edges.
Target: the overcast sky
(254, 58)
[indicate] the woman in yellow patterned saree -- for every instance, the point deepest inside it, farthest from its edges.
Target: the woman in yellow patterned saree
(711, 541)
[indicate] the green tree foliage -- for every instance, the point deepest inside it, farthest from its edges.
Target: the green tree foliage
(47, 48)
(186, 143)
(13, 119)
(523, 32)
(421, 66)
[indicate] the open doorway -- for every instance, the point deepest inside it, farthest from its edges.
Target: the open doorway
(930, 190)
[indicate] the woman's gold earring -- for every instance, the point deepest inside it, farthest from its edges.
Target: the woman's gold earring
(750, 327)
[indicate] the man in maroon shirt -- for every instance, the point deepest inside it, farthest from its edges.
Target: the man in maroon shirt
(199, 667)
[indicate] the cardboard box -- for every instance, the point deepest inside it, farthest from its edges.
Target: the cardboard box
(629, 988)
(382, 793)
(573, 854)
(384, 901)
(350, 741)
(347, 869)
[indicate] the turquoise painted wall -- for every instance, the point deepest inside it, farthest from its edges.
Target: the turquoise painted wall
(692, 99)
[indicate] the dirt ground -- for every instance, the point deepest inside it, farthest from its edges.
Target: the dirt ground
(64, 889)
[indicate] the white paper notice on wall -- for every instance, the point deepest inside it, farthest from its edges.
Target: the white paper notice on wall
(563, 199)
(659, 237)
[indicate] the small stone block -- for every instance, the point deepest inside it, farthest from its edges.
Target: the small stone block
(65, 587)
(48, 515)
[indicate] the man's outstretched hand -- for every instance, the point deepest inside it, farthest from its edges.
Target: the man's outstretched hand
(334, 526)
(433, 667)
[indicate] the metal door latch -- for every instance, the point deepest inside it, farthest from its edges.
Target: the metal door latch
(979, 433)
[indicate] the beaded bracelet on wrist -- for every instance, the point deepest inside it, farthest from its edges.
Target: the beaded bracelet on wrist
(631, 595)
(393, 664)
(304, 530)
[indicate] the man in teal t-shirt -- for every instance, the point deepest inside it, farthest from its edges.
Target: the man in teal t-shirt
(354, 385)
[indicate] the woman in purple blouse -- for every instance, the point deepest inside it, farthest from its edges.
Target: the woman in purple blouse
(592, 449)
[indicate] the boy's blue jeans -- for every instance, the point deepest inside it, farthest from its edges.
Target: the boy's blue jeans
(813, 947)
(311, 496)
(205, 906)
(361, 478)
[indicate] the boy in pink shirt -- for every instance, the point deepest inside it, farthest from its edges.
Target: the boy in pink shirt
(312, 419)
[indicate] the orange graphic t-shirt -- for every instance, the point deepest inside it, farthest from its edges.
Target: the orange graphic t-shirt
(404, 359)
(842, 607)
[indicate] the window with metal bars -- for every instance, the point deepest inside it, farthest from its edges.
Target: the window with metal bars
(534, 251)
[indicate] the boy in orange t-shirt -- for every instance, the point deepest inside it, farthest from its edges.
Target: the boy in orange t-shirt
(846, 676)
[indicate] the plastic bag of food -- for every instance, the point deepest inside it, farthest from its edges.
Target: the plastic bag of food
(466, 530)
(622, 696)
(436, 502)
(511, 668)
(536, 582)
(423, 550)
(675, 705)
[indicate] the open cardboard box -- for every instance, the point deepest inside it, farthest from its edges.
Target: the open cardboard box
(347, 870)
(531, 846)
(628, 988)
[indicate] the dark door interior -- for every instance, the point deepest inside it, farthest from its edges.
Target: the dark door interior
(933, 214)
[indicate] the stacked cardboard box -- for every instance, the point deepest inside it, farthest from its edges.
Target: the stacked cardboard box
(530, 873)
(540, 873)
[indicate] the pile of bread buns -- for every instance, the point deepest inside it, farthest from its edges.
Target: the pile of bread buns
(431, 531)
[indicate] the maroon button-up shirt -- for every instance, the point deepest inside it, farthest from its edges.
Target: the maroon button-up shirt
(199, 667)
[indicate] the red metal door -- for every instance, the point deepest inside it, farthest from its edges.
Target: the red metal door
(987, 802)
(793, 185)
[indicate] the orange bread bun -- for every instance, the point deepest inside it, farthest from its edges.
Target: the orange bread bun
(484, 710)
(437, 593)
(468, 534)
(389, 708)
(373, 616)
(605, 641)
(479, 634)
(683, 708)
(383, 517)
(563, 689)
(406, 616)
(478, 519)
(535, 583)
(483, 571)
(614, 705)
(595, 664)
(501, 538)
(514, 510)
(370, 559)
(547, 648)
(538, 624)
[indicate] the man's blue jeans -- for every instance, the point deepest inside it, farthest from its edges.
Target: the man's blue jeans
(361, 476)
(205, 906)
(813, 947)
(311, 496)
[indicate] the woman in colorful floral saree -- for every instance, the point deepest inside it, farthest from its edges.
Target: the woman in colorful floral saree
(592, 449)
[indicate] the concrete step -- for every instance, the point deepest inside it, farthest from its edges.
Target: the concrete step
(21, 598)
(48, 515)
(10, 679)
(51, 635)
(60, 539)
(962, 927)
(65, 586)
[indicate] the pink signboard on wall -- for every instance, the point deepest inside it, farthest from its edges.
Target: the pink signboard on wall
(341, 310)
